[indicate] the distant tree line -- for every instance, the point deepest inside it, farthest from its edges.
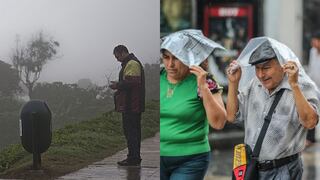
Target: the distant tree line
(69, 103)
(152, 75)
(9, 80)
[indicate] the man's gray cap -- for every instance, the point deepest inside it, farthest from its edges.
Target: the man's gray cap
(262, 54)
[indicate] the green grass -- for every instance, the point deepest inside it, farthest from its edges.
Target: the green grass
(77, 145)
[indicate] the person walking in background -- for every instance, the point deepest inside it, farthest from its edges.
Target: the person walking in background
(313, 69)
(190, 99)
(129, 99)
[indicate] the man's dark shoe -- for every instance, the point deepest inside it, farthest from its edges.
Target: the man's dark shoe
(128, 162)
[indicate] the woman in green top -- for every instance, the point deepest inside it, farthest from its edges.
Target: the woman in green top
(190, 99)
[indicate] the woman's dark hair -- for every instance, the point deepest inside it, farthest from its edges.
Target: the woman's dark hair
(316, 35)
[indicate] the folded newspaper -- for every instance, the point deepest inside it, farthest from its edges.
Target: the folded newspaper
(190, 46)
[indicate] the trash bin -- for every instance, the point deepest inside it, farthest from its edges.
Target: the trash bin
(36, 129)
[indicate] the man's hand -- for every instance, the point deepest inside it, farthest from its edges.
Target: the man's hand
(292, 71)
(113, 85)
(234, 72)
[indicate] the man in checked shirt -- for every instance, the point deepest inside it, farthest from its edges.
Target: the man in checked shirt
(296, 112)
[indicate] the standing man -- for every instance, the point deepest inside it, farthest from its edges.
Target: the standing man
(313, 69)
(129, 100)
(276, 69)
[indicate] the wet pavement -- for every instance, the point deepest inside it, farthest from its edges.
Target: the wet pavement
(221, 164)
(219, 168)
(108, 169)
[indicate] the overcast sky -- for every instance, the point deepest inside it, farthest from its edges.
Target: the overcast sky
(87, 31)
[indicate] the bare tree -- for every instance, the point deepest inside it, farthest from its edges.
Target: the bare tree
(30, 59)
(108, 77)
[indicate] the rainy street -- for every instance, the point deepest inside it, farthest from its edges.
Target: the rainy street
(221, 164)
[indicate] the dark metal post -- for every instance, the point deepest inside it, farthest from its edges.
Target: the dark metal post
(35, 143)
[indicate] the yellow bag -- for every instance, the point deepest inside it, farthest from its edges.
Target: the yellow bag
(245, 167)
(239, 161)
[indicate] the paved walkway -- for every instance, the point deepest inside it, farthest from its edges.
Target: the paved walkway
(108, 169)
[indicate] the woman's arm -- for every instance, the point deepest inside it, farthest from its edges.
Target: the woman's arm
(213, 104)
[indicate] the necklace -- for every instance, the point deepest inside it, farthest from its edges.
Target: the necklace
(170, 90)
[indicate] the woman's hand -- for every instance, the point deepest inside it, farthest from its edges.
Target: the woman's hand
(201, 76)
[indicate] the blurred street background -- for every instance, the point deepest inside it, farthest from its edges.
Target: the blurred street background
(232, 24)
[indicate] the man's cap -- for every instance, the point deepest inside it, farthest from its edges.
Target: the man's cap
(262, 54)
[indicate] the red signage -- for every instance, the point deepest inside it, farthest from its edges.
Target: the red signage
(225, 12)
(228, 11)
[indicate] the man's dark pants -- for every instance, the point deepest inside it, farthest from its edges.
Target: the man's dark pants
(131, 123)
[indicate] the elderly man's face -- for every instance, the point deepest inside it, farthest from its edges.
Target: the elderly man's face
(270, 74)
(176, 70)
